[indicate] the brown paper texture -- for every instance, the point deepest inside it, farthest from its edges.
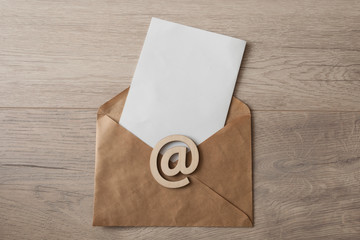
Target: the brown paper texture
(220, 192)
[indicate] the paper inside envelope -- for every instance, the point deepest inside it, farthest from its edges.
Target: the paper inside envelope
(219, 193)
(183, 83)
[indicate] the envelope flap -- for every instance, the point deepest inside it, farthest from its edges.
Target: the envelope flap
(237, 109)
(114, 107)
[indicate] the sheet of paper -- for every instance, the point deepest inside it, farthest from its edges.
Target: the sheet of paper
(183, 83)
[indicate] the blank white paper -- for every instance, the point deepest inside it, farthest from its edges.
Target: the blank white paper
(183, 83)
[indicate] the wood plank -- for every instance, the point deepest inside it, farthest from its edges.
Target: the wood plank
(306, 177)
(50, 81)
(324, 24)
(79, 54)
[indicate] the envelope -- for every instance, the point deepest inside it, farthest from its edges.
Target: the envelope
(220, 192)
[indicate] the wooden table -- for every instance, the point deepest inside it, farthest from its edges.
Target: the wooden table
(60, 60)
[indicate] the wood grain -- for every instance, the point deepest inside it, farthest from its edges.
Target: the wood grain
(60, 60)
(306, 178)
(80, 54)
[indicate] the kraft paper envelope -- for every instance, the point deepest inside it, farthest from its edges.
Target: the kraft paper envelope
(220, 192)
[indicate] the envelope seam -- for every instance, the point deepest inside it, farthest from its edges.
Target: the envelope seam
(201, 182)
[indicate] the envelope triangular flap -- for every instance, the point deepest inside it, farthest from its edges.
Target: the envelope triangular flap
(220, 193)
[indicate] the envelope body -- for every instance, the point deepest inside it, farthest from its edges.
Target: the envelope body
(220, 193)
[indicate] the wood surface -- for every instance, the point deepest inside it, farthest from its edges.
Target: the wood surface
(60, 60)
